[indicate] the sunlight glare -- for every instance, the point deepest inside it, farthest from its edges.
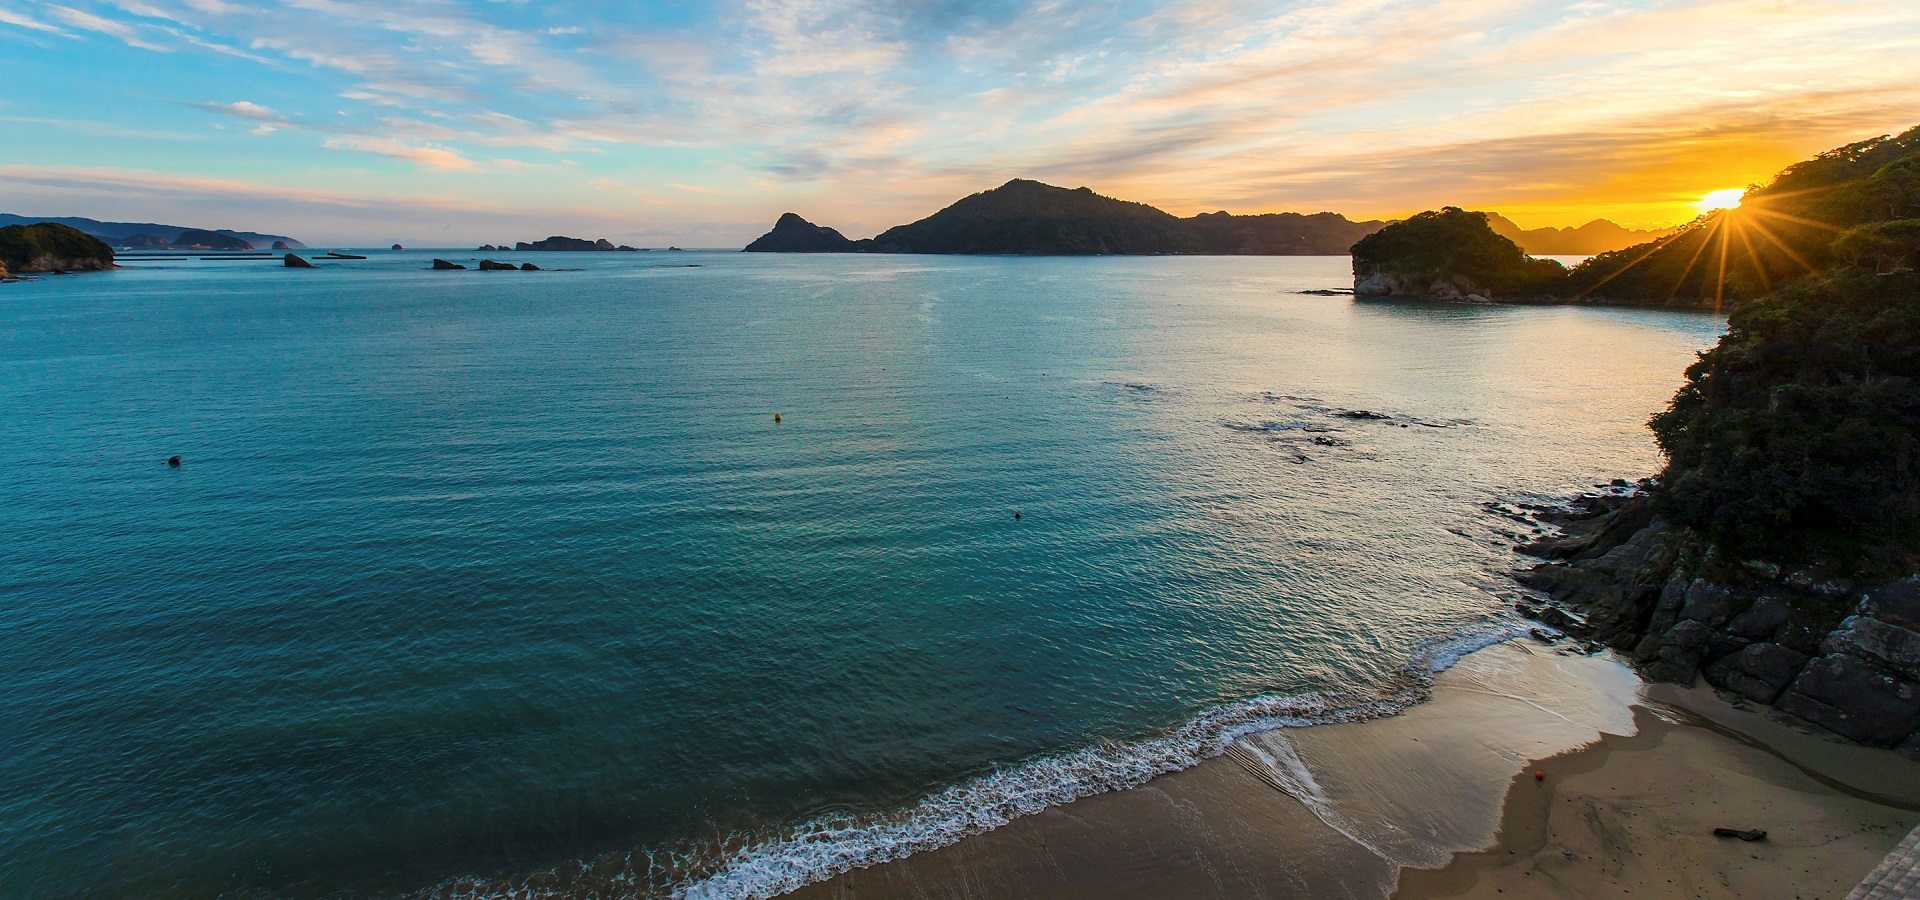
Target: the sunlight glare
(1727, 199)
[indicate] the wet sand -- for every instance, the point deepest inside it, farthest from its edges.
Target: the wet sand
(1636, 781)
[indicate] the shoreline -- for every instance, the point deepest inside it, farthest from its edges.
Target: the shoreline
(1439, 801)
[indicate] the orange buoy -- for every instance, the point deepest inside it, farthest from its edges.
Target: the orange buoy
(1539, 775)
(776, 417)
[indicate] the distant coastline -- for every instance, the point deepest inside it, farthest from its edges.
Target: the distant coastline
(1024, 217)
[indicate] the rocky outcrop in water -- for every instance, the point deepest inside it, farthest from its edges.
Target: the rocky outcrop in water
(442, 265)
(51, 247)
(487, 265)
(293, 261)
(572, 244)
(1842, 656)
(792, 234)
(1452, 254)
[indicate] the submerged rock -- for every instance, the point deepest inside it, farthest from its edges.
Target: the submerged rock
(529, 267)
(441, 264)
(293, 261)
(487, 265)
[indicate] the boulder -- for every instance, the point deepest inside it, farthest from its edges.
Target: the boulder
(1762, 619)
(1759, 672)
(1708, 603)
(443, 265)
(487, 265)
(1896, 604)
(293, 261)
(1897, 648)
(398, 247)
(1852, 698)
(529, 267)
(1676, 654)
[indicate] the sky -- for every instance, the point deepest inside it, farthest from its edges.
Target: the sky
(456, 122)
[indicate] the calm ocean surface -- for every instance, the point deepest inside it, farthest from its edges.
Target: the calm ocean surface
(513, 576)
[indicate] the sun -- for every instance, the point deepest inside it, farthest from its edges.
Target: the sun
(1727, 199)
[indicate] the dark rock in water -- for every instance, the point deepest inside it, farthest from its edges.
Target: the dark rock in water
(442, 264)
(529, 267)
(485, 248)
(281, 245)
(293, 261)
(173, 461)
(1450, 255)
(626, 249)
(563, 243)
(487, 265)
(51, 247)
(197, 239)
(397, 247)
(792, 234)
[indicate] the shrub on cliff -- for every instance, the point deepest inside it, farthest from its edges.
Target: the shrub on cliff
(1450, 247)
(1797, 438)
(49, 246)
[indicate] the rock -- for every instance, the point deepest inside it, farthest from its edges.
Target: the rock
(529, 267)
(1898, 648)
(1759, 672)
(1708, 603)
(485, 248)
(173, 461)
(1762, 619)
(398, 247)
(281, 245)
(293, 261)
(563, 243)
(487, 265)
(1675, 655)
(1896, 604)
(1850, 697)
(1666, 612)
(441, 264)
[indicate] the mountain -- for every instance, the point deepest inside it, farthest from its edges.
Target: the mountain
(196, 239)
(1594, 238)
(792, 234)
(119, 234)
(1030, 218)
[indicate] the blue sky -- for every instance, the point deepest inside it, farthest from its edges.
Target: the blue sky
(442, 122)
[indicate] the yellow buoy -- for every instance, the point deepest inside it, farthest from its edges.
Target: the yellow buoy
(776, 417)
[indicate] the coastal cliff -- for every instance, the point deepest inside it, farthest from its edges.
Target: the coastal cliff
(50, 247)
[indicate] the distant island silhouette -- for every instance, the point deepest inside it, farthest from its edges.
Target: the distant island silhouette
(1026, 217)
(155, 236)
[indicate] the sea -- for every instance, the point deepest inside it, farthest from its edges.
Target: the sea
(713, 574)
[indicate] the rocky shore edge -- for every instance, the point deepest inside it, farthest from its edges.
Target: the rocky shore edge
(1841, 656)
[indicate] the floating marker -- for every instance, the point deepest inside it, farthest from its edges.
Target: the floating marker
(776, 417)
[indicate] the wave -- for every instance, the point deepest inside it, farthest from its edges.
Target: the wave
(824, 847)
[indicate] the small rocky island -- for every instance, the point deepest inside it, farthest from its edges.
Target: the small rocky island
(197, 239)
(570, 244)
(1451, 254)
(50, 247)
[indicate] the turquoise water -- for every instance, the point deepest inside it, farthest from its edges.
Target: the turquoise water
(474, 578)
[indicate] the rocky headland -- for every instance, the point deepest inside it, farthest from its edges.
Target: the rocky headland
(148, 235)
(792, 234)
(1857, 205)
(50, 247)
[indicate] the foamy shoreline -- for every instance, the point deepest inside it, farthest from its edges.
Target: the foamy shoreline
(1360, 809)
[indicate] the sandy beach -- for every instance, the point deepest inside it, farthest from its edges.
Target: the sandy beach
(1442, 802)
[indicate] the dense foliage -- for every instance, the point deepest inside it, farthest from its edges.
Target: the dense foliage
(47, 246)
(1782, 231)
(1797, 438)
(1450, 244)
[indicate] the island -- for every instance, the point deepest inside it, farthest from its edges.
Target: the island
(50, 247)
(570, 244)
(1450, 254)
(198, 239)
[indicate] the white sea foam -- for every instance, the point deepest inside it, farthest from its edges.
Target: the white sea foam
(822, 848)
